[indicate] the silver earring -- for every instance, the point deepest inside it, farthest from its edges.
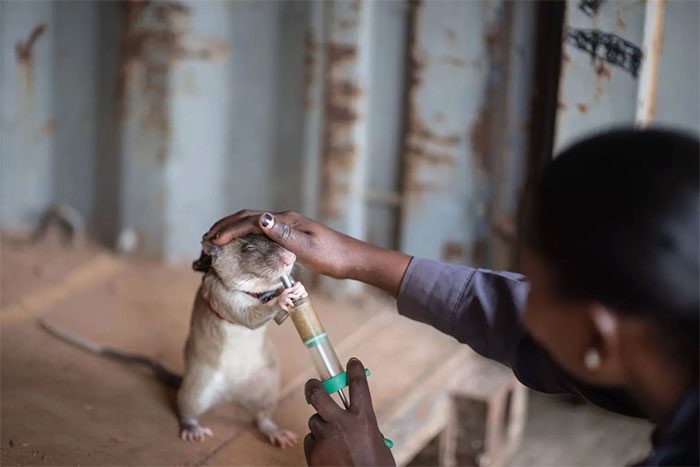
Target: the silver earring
(592, 359)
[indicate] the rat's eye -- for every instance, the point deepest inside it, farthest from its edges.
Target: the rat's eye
(248, 247)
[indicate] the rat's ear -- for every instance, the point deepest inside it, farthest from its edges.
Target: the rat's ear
(210, 249)
(203, 263)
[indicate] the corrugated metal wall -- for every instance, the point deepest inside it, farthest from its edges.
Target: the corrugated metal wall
(404, 123)
(605, 54)
(373, 116)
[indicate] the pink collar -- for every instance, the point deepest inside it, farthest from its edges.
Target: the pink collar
(216, 313)
(262, 296)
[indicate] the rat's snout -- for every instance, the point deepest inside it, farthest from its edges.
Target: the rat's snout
(287, 258)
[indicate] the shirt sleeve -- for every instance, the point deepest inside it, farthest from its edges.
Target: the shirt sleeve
(484, 309)
(478, 307)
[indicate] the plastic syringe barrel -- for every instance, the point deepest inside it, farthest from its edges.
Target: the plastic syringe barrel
(314, 337)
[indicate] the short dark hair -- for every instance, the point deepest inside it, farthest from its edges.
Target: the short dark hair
(616, 216)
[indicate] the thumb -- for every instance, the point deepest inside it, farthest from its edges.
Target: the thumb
(279, 231)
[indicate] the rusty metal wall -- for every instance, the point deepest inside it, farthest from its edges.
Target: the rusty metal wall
(375, 117)
(470, 76)
(678, 92)
(608, 48)
(28, 124)
(404, 123)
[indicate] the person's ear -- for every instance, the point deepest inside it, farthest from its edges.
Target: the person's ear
(603, 358)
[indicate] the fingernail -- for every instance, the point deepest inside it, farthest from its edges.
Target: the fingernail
(353, 360)
(266, 220)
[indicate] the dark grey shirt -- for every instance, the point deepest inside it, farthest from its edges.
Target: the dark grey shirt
(484, 309)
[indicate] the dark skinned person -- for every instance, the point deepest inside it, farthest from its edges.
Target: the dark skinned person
(607, 308)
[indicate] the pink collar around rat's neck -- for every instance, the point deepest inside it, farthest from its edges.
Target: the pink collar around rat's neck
(262, 296)
(216, 312)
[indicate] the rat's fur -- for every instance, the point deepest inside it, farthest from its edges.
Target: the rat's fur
(229, 357)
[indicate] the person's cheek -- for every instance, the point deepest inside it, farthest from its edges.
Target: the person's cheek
(533, 318)
(543, 322)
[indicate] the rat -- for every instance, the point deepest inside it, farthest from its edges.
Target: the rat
(228, 356)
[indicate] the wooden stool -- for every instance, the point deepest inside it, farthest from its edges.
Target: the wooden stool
(485, 421)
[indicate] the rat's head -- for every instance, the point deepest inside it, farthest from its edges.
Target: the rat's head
(253, 263)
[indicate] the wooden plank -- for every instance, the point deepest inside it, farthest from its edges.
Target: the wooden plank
(33, 304)
(423, 412)
(27, 268)
(100, 411)
(400, 353)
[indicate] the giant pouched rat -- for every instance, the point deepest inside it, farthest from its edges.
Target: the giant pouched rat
(228, 356)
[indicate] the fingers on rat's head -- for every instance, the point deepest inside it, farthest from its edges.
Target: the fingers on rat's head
(236, 225)
(266, 221)
(277, 228)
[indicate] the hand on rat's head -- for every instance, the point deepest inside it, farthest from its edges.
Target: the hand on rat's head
(316, 246)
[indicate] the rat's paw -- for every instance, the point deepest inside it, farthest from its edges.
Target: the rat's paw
(282, 438)
(195, 433)
(299, 291)
(288, 296)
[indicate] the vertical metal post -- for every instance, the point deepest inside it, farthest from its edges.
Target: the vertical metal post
(652, 44)
(314, 85)
(345, 133)
(446, 145)
(343, 173)
(199, 85)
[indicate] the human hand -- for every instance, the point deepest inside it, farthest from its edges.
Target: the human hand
(345, 437)
(318, 247)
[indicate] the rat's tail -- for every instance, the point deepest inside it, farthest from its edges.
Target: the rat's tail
(166, 376)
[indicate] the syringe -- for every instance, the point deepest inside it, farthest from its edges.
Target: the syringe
(314, 337)
(333, 375)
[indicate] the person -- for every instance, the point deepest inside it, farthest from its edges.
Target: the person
(609, 309)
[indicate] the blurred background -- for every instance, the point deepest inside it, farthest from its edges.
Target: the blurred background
(416, 125)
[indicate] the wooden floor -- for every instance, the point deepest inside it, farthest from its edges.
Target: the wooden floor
(558, 433)
(60, 406)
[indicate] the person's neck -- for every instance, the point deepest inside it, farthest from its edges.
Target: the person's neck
(659, 385)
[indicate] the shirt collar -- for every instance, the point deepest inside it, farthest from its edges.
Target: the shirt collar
(677, 444)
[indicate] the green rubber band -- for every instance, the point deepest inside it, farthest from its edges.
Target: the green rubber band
(314, 341)
(388, 443)
(336, 383)
(339, 381)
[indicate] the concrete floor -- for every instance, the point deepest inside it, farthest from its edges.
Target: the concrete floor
(61, 406)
